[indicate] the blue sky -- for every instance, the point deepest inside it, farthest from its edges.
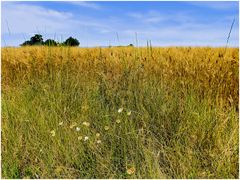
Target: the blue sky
(97, 23)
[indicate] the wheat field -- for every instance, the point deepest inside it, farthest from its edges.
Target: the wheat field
(120, 112)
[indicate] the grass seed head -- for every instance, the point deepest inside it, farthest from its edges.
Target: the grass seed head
(80, 138)
(53, 133)
(106, 128)
(131, 170)
(73, 125)
(87, 124)
(61, 123)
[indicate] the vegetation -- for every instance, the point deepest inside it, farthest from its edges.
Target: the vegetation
(71, 42)
(38, 40)
(50, 42)
(35, 40)
(120, 112)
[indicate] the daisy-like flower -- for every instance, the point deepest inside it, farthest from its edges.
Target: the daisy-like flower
(86, 138)
(129, 113)
(77, 129)
(99, 141)
(60, 124)
(86, 123)
(131, 170)
(80, 138)
(118, 121)
(73, 125)
(53, 133)
(120, 110)
(106, 128)
(98, 135)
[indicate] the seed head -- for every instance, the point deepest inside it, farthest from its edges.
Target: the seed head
(80, 138)
(106, 128)
(131, 170)
(53, 133)
(73, 125)
(86, 123)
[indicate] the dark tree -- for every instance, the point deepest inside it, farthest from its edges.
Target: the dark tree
(50, 42)
(26, 43)
(131, 45)
(37, 39)
(71, 42)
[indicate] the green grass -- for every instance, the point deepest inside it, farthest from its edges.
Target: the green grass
(172, 131)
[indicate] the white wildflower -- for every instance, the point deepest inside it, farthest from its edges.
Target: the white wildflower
(120, 110)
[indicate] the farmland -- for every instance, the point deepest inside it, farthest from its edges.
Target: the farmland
(120, 112)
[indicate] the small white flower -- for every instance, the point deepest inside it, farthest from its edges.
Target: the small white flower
(131, 170)
(106, 128)
(129, 113)
(120, 110)
(86, 138)
(86, 123)
(77, 129)
(118, 121)
(61, 123)
(99, 141)
(98, 135)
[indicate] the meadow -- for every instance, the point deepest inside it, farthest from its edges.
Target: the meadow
(120, 112)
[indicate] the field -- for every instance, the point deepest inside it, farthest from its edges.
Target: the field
(120, 112)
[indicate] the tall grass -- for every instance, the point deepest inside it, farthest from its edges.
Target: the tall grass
(179, 115)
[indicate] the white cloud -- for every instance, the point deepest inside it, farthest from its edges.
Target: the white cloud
(149, 17)
(191, 33)
(86, 4)
(218, 5)
(23, 18)
(155, 17)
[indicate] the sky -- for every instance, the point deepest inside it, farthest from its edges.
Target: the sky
(96, 23)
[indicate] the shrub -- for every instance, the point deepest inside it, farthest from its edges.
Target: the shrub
(50, 42)
(71, 42)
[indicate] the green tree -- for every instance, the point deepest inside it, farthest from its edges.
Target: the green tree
(37, 39)
(50, 42)
(26, 43)
(71, 42)
(34, 40)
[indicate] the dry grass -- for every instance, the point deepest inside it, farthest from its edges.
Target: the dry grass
(179, 117)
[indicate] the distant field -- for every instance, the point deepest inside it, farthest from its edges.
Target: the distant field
(120, 112)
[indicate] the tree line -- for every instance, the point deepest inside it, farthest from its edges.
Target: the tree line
(37, 39)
